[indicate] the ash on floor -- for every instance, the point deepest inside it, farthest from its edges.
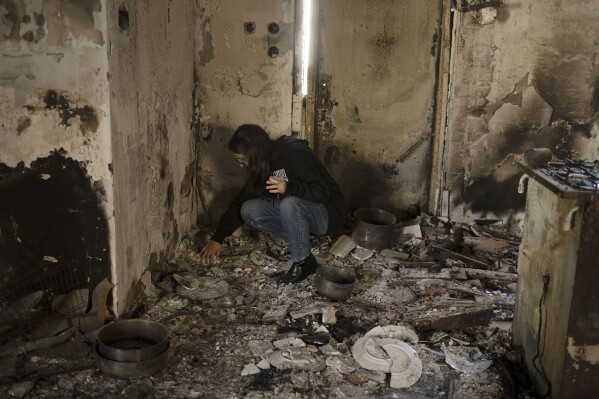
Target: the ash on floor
(235, 333)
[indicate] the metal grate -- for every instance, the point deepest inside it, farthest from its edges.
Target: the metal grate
(577, 174)
(36, 312)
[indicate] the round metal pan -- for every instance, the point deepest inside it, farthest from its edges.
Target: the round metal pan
(132, 340)
(131, 369)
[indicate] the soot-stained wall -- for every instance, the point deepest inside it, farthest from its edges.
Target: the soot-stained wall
(55, 182)
(237, 82)
(49, 212)
(525, 74)
(154, 164)
(375, 98)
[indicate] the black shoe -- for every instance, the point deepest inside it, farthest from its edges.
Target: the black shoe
(299, 270)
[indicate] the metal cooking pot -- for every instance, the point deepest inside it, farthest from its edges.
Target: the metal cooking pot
(131, 369)
(334, 283)
(132, 340)
(374, 228)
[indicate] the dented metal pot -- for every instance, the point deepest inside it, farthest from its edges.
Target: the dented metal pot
(334, 283)
(374, 228)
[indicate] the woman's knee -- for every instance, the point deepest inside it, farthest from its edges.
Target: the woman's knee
(289, 205)
(250, 210)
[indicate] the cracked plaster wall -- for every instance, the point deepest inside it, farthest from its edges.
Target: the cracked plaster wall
(151, 84)
(375, 98)
(237, 83)
(59, 52)
(55, 134)
(525, 74)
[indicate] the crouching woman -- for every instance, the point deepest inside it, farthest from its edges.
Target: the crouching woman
(289, 193)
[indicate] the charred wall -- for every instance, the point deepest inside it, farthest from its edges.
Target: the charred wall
(51, 211)
(524, 75)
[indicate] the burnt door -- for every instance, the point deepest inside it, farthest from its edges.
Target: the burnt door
(374, 101)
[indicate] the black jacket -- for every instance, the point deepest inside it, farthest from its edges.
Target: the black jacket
(306, 177)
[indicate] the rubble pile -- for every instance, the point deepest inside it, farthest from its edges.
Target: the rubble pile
(428, 317)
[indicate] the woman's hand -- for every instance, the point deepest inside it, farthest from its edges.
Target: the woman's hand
(276, 185)
(210, 252)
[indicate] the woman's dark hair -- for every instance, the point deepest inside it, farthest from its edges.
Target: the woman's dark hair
(253, 142)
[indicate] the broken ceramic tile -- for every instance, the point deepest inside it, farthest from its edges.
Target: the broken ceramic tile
(343, 364)
(362, 253)
(291, 342)
(394, 255)
(466, 359)
(411, 227)
(297, 358)
(387, 272)
(321, 329)
(276, 313)
(263, 364)
(328, 350)
(343, 246)
(299, 313)
(250, 369)
(260, 347)
(328, 315)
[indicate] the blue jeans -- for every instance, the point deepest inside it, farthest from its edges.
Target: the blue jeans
(291, 219)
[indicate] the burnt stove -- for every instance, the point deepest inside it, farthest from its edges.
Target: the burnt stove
(567, 178)
(556, 321)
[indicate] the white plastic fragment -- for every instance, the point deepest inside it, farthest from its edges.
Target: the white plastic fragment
(250, 369)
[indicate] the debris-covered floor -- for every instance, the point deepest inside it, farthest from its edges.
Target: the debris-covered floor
(445, 290)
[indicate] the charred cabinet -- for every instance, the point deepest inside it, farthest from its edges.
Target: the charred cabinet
(556, 321)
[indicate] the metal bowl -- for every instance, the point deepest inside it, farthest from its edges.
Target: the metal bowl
(132, 340)
(374, 228)
(334, 283)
